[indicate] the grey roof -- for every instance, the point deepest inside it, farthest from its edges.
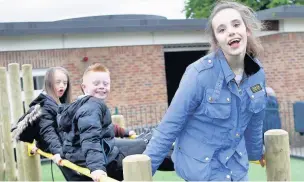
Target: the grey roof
(282, 12)
(118, 17)
(117, 23)
(130, 23)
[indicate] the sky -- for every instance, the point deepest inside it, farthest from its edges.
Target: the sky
(51, 10)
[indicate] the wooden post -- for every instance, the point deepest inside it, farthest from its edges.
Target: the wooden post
(10, 165)
(137, 168)
(33, 164)
(277, 155)
(17, 112)
(2, 170)
(119, 120)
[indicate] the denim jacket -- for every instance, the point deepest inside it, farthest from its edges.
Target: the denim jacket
(216, 125)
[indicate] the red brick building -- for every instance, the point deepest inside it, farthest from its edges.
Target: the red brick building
(147, 55)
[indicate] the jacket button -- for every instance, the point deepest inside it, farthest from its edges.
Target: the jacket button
(228, 99)
(207, 158)
(252, 96)
(210, 98)
(241, 154)
(228, 176)
(237, 135)
(209, 61)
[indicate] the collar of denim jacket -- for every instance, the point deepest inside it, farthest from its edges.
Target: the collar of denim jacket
(251, 66)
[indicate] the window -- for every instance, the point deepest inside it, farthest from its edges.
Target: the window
(38, 76)
(38, 81)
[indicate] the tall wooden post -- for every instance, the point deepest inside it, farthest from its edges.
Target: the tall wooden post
(10, 165)
(277, 155)
(33, 165)
(17, 110)
(2, 170)
(137, 168)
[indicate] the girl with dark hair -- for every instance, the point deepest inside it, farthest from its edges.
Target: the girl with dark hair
(40, 122)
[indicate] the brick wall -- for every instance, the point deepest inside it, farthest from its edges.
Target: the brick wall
(284, 65)
(137, 72)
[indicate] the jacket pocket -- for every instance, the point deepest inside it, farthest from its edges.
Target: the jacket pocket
(193, 159)
(200, 152)
(257, 100)
(220, 107)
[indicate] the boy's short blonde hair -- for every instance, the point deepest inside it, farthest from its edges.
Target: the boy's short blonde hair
(96, 67)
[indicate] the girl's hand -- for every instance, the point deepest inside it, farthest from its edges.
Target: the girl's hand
(98, 175)
(34, 150)
(131, 133)
(262, 161)
(57, 159)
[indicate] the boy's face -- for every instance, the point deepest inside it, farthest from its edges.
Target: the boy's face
(230, 32)
(97, 84)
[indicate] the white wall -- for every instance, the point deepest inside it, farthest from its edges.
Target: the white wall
(32, 42)
(292, 25)
(42, 42)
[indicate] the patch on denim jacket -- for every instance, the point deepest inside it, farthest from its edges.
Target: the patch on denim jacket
(256, 88)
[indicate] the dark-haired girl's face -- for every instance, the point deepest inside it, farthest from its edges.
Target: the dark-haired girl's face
(61, 83)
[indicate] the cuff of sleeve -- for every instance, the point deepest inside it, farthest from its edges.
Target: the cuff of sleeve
(254, 157)
(57, 151)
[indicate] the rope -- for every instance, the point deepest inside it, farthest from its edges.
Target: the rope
(68, 164)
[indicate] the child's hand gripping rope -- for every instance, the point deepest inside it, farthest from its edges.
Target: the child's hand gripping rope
(68, 164)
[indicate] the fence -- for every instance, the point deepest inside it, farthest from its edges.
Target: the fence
(11, 108)
(141, 116)
(296, 140)
(148, 116)
(25, 167)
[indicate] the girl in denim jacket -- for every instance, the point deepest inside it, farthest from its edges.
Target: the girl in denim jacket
(216, 116)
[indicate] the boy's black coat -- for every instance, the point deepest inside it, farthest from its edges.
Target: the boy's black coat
(89, 141)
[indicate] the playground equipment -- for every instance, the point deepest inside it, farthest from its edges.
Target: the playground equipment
(135, 167)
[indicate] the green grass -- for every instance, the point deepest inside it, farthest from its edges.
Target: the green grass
(47, 172)
(256, 173)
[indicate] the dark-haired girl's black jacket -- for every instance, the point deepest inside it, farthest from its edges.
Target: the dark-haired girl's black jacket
(44, 128)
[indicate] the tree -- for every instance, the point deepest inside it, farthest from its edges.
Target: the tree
(202, 8)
